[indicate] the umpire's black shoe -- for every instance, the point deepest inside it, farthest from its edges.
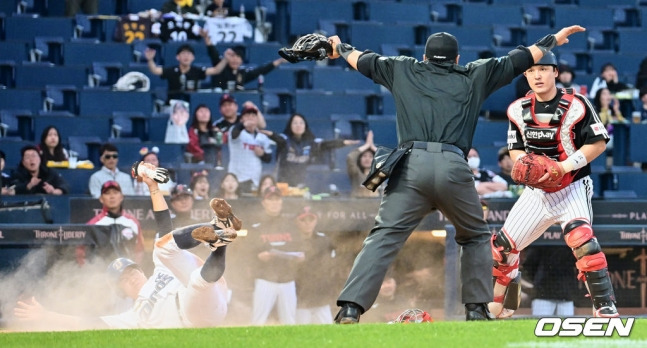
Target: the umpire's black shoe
(349, 314)
(477, 311)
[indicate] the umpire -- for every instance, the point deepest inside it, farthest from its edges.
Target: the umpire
(438, 103)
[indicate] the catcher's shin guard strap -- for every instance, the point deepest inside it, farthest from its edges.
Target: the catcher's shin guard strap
(500, 273)
(600, 287)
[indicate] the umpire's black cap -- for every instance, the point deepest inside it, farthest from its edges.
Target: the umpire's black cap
(441, 47)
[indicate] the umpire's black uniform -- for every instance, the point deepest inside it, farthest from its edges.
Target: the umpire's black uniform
(438, 104)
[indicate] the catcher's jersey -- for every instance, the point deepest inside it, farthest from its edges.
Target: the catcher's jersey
(156, 306)
(580, 125)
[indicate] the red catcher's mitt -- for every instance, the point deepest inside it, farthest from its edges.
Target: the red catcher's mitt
(529, 169)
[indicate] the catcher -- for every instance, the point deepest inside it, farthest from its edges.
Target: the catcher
(553, 136)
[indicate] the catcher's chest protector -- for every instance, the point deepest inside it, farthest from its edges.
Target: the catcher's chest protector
(546, 138)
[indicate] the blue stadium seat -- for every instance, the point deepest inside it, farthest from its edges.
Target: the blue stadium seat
(626, 64)
(105, 74)
(584, 15)
(637, 138)
(47, 49)
(7, 74)
(77, 179)
(300, 24)
(317, 104)
(135, 6)
(155, 80)
(538, 15)
(384, 130)
(338, 79)
(84, 53)
(94, 102)
(496, 105)
(371, 35)
(321, 181)
(129, 151)
(261, 53)
(467, 35)
(632, 41)
(17, 121)
(485, 15)
(131, 124)
(391, 12)
(61, 98)
(156, 127)
(86, 146)
(31, 99)
(490, 133)
(73, 126)
(27, 27)
(38, 75)
(17, 50)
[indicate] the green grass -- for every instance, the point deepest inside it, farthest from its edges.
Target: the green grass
(504, 333)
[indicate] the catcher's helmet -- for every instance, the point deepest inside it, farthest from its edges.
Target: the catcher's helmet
(548, 59)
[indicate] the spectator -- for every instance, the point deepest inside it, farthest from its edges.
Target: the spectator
(565, 79)
(229, 114)
(608, 108)
(608, 79)
(248, 148)
(554, 280)
(229, 187)
(180, 7)
(641, 76)
(200, 185)
(182, 78)
(89, 7)
(33, 177)
(150, 156)
(297, 147)
(109, 171)
(234, 71)
(126, 236)
(643, 104)
(181, 205)
(278, 253)
(313, 288)
(5, 179)
(358, 164)
(267, 180)
(50, 147)
(216, 9)
(488, 184)
(176, 132)
(505, 165)
(204, 140)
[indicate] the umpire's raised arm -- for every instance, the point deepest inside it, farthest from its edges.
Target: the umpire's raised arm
(545, 44)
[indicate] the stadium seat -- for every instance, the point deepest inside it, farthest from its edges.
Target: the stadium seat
(317, 104)
(261, 53)
(156, 127)
(337, 79)
(105, 74)
(135, 6)
(94, 102)
(490, 133)
(632, 41)
(28, 27)
(30, 99)
(300, 24)
(349, 126)
(47, 49)
(130, 124)
(77, 179)
(61, 98)
(85, 53)
(392, 12)
(16, 123)
(11, 148)
(371, 35)
(39, 75)
(485, 15)
(7, 74)
(73, 126)
(86, 146)
(384, 130)
(567, 15)
(16, 50)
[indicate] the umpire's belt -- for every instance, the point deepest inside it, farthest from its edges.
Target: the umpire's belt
(436, 147)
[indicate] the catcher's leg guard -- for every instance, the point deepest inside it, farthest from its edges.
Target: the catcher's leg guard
(506, 277)
(592, 265)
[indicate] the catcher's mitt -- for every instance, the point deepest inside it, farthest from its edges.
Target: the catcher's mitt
(529, 169)
(307, 47)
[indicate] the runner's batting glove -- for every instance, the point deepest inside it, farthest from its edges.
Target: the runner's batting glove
(161, 175)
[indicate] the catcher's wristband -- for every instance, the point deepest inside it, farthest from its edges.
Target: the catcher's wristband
(574, 162)
(345, 50)
(546, 43)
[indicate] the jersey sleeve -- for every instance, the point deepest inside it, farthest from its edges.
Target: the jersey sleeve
(515, 140)
(590, 129)
(377, 68)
